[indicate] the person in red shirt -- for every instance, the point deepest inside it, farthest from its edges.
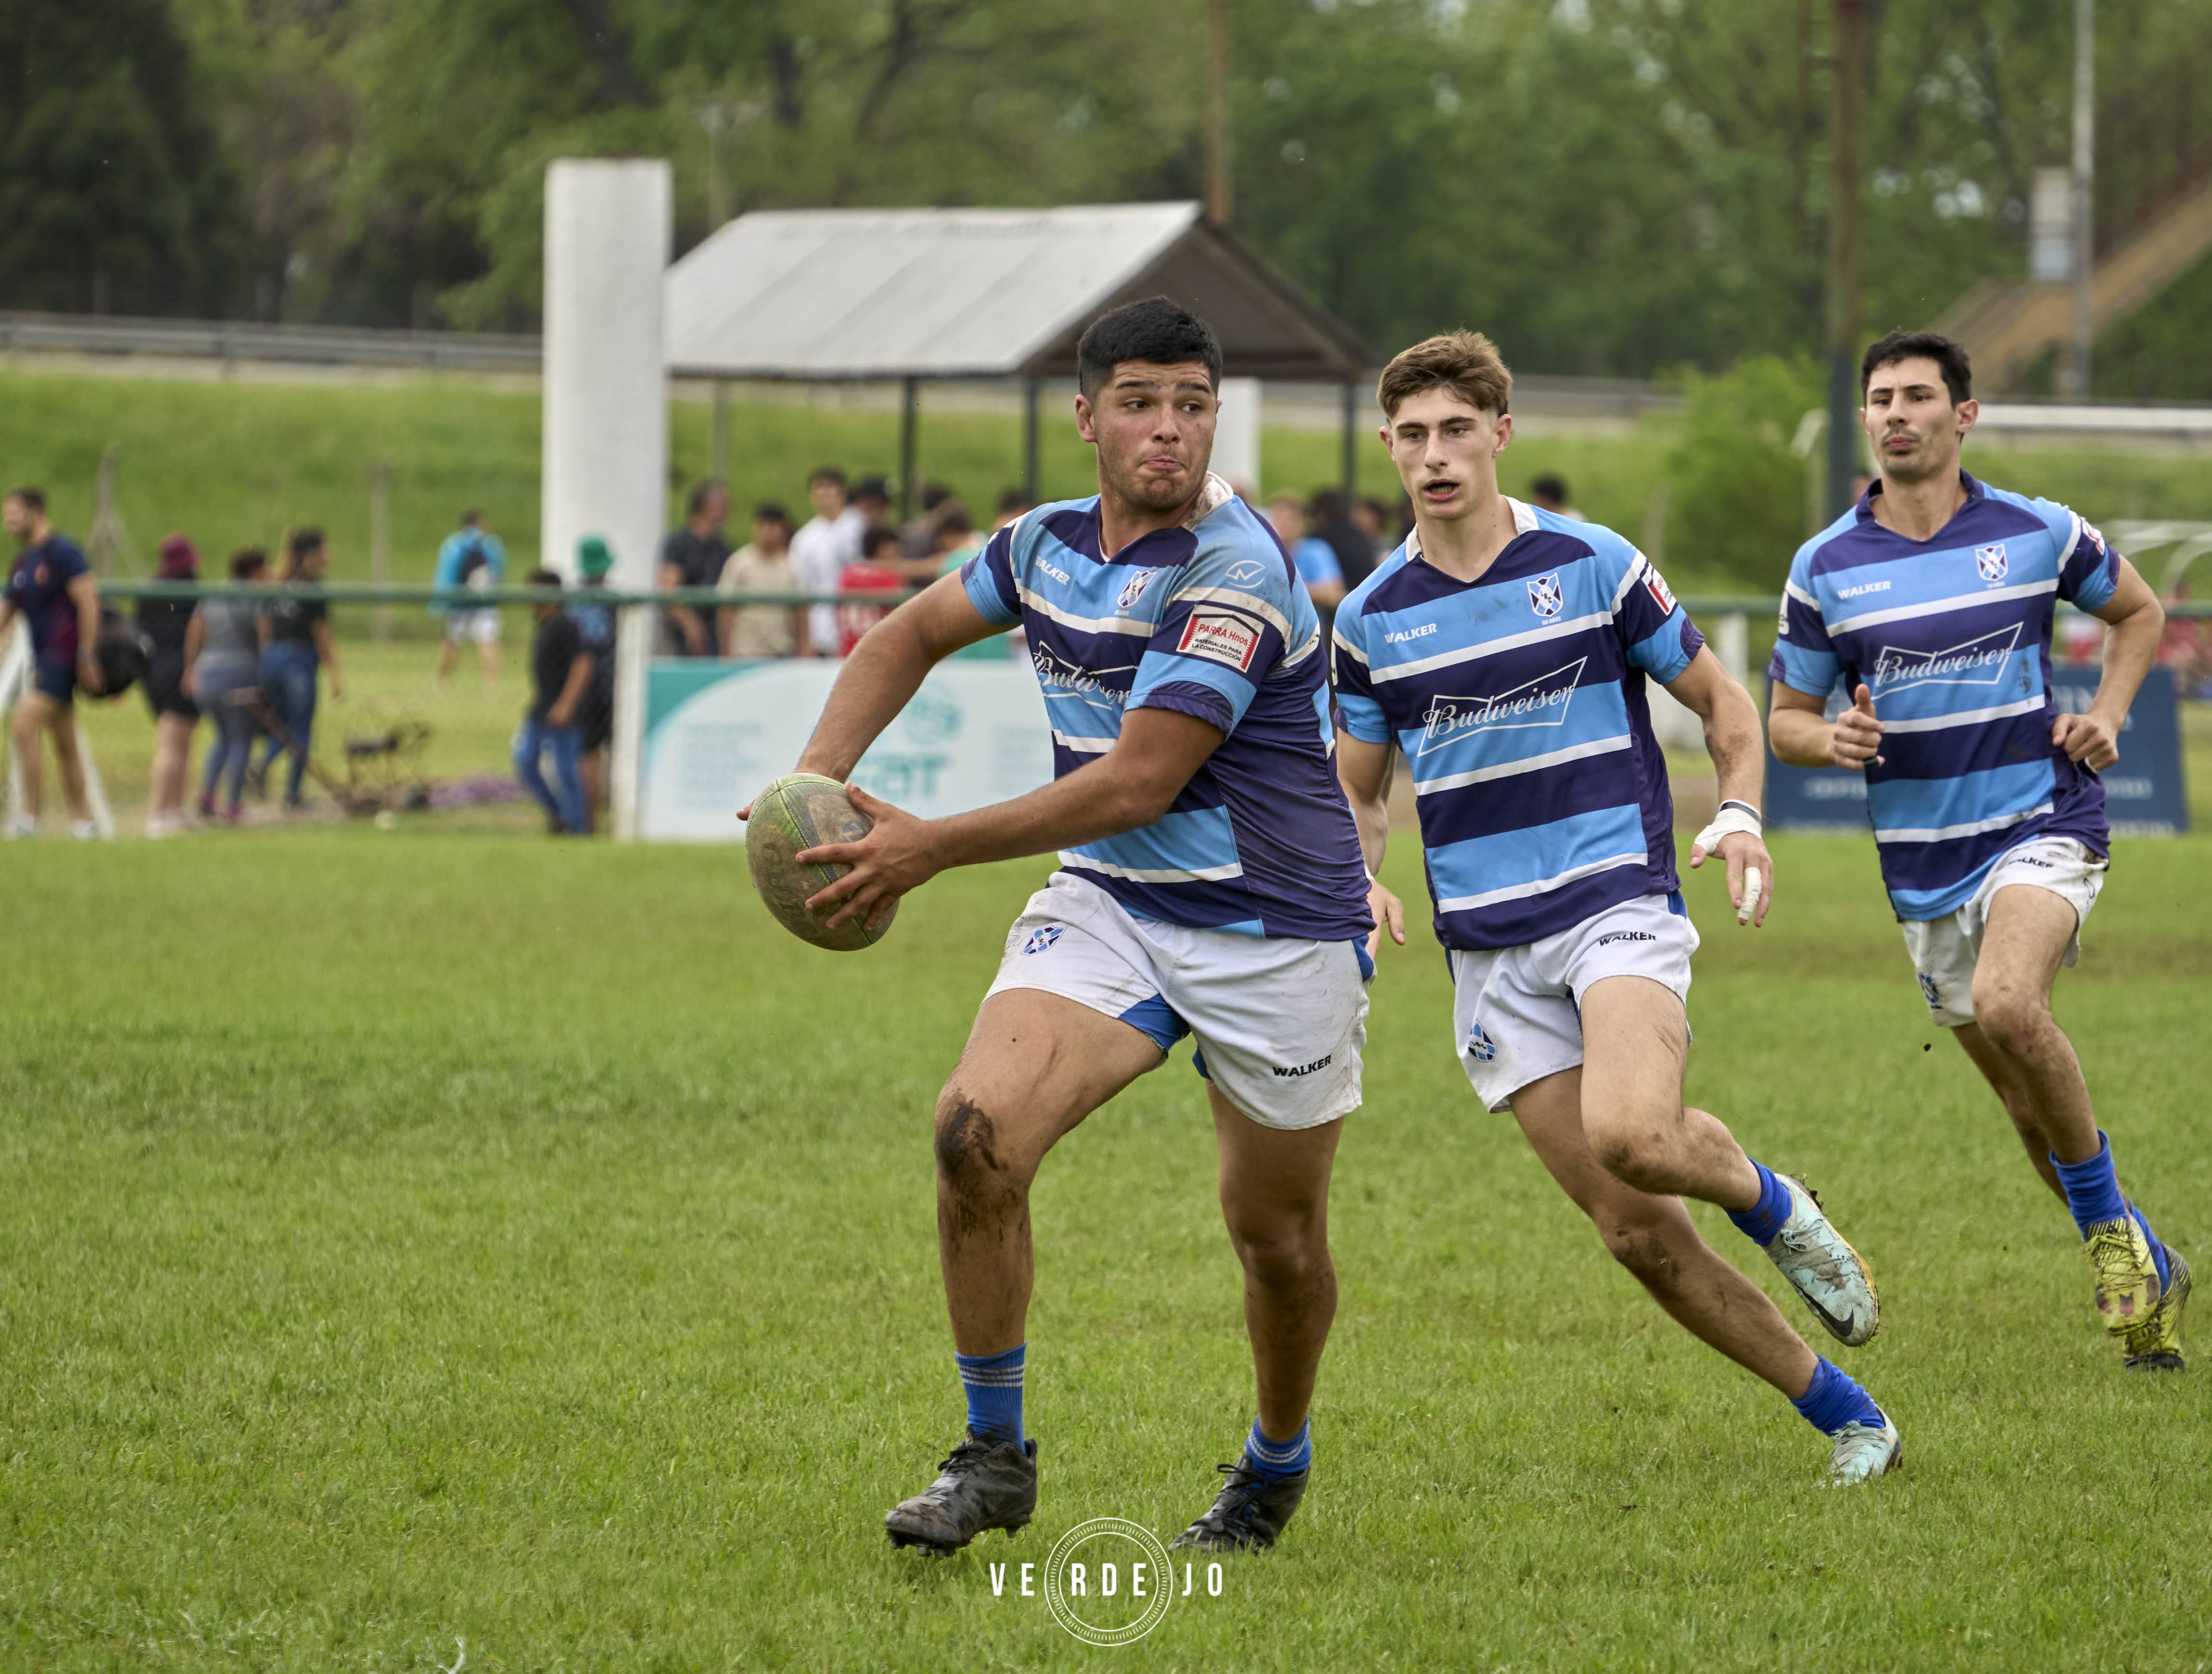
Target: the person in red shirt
(876, 572)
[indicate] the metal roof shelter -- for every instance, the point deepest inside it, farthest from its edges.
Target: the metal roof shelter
(942, 294)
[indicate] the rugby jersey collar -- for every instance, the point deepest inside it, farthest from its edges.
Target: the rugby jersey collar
(1524, 523)
(1975, 492)
(1215, 492)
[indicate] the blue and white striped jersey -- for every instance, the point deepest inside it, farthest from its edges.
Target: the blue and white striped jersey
(1207, 620)
(1518, 698)
(1952, 636)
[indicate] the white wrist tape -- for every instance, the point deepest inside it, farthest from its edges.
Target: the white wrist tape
(1736, 817)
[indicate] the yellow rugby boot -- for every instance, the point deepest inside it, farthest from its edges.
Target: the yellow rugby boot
(2155, 1344)
(2127, 1278)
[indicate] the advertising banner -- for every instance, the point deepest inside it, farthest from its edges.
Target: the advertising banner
(717, 731)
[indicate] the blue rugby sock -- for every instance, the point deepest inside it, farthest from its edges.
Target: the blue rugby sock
(1763, 1219)
(1834, 1399)
(993, 1383)
(2092, 1190)
(1277, 1460)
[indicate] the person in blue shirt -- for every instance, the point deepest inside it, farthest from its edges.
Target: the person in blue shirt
(1314, 558)
(1926, 609)
(51, 586)
(1507, 653)
(1209, 884)
(472, 559)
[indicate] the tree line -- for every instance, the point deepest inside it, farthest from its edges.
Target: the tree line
(1610, 187)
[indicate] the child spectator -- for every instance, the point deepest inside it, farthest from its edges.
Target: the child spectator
(762, 565)
(876, 572)
(560, 671)
(164, 626)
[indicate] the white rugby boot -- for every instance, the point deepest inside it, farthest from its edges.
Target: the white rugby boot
(1863, 1452)
(1823, 1267)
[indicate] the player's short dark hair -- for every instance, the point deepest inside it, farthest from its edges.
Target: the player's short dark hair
(826, 473)
(1551, 487)
(771, 511)
(876, 537)
(1950, 357)
(1155, 330)
(34, 499)
(544, 578)
(247, 563)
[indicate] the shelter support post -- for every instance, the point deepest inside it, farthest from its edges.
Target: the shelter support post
(1031, 389)
(1351, 440)
(1844, 249)
(909, 406)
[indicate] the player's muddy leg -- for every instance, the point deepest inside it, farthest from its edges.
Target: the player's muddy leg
(1637, 1042)
(1274, 1199)
(1035, 1064)
(1653, 1238)
(2019, 1100)
(2025, 939)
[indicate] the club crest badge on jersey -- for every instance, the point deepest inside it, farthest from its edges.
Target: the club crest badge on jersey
(1134, 588)
(1990, 562)
(1545, 597)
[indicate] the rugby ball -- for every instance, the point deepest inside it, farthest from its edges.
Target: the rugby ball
(798, 812)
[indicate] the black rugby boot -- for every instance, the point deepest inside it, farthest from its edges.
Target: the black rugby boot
(986, 1485)
(1247, 1515)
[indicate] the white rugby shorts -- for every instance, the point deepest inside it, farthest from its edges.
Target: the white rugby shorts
(1944, 949)
(1516, 1012)
(1280, 1024)
(481, 625)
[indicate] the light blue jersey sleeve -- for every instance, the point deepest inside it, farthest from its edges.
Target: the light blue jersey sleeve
(1316, 561)
(1805, 659)
(1235, 616)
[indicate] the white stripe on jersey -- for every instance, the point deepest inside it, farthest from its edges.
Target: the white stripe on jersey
(1162, 874)
(1087, 746)
(1088, 624)
(1520, 892)
(1526, 764)
(1936, 723)
(1491, 647)
(1944, 833)
(1956, 601)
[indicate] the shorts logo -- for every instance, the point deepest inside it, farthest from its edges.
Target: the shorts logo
(1041, 940)
(1297, 1070)
(1220, 637)
(1479, 1046)
(1972, 662)
(1134, 588)
(1927, 992)
(1541, 702)
(1655, 584)
(1625, 935)
(1545, 597)
(1990, 562)
(1246, 573)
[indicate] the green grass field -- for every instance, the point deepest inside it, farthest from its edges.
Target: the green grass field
(419, 1240)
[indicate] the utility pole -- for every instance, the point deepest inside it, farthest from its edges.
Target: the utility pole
(2073, 371)
(1845, 230)
(714, 117)
(1216, 112)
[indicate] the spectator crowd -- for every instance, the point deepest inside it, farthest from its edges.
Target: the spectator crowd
(254, 668)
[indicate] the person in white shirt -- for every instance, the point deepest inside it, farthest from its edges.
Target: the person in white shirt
(820, 551)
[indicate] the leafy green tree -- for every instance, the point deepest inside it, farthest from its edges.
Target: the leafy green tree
(1739, 501)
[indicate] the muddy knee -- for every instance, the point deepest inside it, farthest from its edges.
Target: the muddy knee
(968, 1153)
(1645, 1253)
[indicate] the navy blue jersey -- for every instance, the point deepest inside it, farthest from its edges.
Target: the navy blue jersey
(1952, 637)
(1518, 698)
(39, 586)
(1207, 620)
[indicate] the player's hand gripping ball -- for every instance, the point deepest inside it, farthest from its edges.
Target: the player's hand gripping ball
(798, 812)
